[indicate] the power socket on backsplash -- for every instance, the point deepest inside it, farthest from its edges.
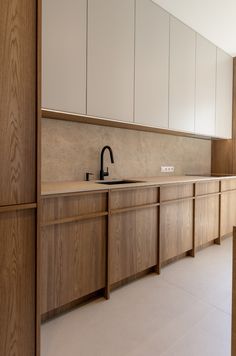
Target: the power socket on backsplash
(167, 169)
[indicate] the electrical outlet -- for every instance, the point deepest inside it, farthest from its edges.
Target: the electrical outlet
(167, 169)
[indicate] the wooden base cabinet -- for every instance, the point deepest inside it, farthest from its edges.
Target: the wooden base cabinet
(133, 242)
(72, 262)
(17, 283)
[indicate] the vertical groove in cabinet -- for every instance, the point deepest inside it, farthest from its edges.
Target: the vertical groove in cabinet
(218, 241)
(107, 291)
(193, 252)
(158, 269)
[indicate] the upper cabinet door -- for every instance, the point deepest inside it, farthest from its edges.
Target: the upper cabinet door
(151, 64)
(111, 59)
(18, 106)
(182, 76)
(64, 55)
(205, 87)
(224, 95)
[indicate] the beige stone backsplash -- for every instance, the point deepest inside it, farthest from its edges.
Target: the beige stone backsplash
(70, 149)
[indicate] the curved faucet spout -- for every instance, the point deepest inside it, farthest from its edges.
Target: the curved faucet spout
(102, 173)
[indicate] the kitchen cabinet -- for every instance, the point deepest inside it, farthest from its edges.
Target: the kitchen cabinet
(110, 78)
(182, 76)
(73, 245)
(224, 95)
(207, 205)
(205, 87)
(133, 232)
(151, 64)
(19, 144)
(64, 41)
(228, 203)
(176, 221)
(17, 283)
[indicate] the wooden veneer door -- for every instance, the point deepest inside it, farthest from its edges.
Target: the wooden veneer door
(176, 228)
(228, 212)
(133, 242)
(18, 105)
(72, 261)
(17, 283)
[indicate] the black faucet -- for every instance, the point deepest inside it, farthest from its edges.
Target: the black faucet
(102, 173)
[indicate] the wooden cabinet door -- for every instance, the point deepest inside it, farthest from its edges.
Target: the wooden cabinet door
(228, 212)
(110, 88)
(133, 242)
(64, 55)
(182, 76)
(176, 229)
(72, 261)
(18, 74)
(205, 87)
(224, 94)
(151, 64)
(206, 219)
(17, 283)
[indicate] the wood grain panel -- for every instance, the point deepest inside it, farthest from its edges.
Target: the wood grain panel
(207, 188)
(17, 283)
(228, 184)
(233, 338)
(135, 197)
(176, 229)
(72, 262)
(222, 156)
(228, 212)
(133, 243)
(66, 207)
(206, 219)
(176, 192)
(18, 84)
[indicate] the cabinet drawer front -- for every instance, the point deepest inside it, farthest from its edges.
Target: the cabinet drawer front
(72, 261)
(70, 206)
(176, 192)
(203, 188)
(134, 197)
(228, 184)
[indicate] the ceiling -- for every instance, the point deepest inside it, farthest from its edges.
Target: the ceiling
(214, 19)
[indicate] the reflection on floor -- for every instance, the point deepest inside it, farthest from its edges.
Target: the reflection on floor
(185, 311)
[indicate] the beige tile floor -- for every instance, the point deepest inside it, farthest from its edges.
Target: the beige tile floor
(184, 312)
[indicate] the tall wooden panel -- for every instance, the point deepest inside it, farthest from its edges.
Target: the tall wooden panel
(17, 101)
(19, 185)
(17, 283)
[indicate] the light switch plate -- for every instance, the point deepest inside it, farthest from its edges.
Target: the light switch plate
(167, 169)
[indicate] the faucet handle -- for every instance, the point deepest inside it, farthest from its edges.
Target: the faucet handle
(88, 174)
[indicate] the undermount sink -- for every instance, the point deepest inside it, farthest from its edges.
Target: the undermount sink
(121, 181)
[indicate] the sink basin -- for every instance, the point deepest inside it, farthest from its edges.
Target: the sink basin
(121, 181)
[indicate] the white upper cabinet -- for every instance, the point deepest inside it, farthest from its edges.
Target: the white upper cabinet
(151, 64)
(205, 87)
(110, 82)
(64, 55)
(182, 76)
(224, 85)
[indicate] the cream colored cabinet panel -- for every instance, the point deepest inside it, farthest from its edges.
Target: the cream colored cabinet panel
(64, 55)
(151, 64)
(182, 76)
(224, 94)
(205, 87)
(111, 59)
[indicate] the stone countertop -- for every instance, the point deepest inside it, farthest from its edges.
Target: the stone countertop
(64, 188)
